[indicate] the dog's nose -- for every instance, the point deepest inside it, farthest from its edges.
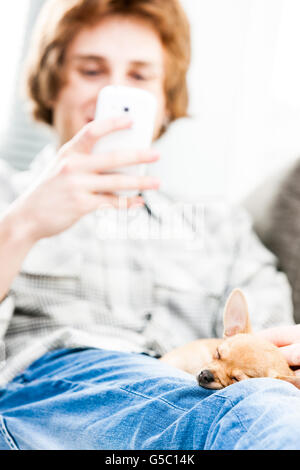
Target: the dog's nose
(205, 377)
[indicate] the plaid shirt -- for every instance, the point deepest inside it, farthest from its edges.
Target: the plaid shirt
(146, 282)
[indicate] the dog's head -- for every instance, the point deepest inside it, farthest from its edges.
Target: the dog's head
(243, 355)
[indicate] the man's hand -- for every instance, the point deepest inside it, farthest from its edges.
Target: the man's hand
(75, 184)
(287, 338)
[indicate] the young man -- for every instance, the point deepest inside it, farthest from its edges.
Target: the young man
(85, 314)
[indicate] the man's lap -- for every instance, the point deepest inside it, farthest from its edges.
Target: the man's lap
(96, 399)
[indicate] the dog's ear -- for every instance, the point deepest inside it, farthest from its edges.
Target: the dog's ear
(236, 315)
(293, 379)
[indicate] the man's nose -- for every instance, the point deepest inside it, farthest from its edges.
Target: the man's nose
(205, 377)
(112, 80)
(117, 78)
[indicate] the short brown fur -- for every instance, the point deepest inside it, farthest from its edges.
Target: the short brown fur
(241, 355)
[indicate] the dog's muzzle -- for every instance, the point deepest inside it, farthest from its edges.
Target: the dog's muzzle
(205, 378)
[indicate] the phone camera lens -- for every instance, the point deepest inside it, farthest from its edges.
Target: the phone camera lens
(126, 110)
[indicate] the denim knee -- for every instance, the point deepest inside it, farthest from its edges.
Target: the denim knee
(258, 386)
(257, 414)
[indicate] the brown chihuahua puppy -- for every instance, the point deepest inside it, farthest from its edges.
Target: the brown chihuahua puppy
(241, 355)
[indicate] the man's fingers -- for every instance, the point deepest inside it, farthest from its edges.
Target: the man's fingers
(107, 162)
(111, 183)
(114, 160)
(111, 201)
(292, 354)
(282, 335)
(287, 338)
(91, 133)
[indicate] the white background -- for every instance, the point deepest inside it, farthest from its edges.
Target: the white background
(244, 83)
(12, 24)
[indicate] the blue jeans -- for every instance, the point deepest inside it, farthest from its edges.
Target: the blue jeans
(98, 399)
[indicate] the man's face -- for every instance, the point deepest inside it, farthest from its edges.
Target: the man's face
(117, 51)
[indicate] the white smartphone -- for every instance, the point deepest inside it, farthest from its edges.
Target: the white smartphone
(141, 107)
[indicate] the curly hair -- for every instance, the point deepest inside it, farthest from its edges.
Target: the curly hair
(61, 20)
